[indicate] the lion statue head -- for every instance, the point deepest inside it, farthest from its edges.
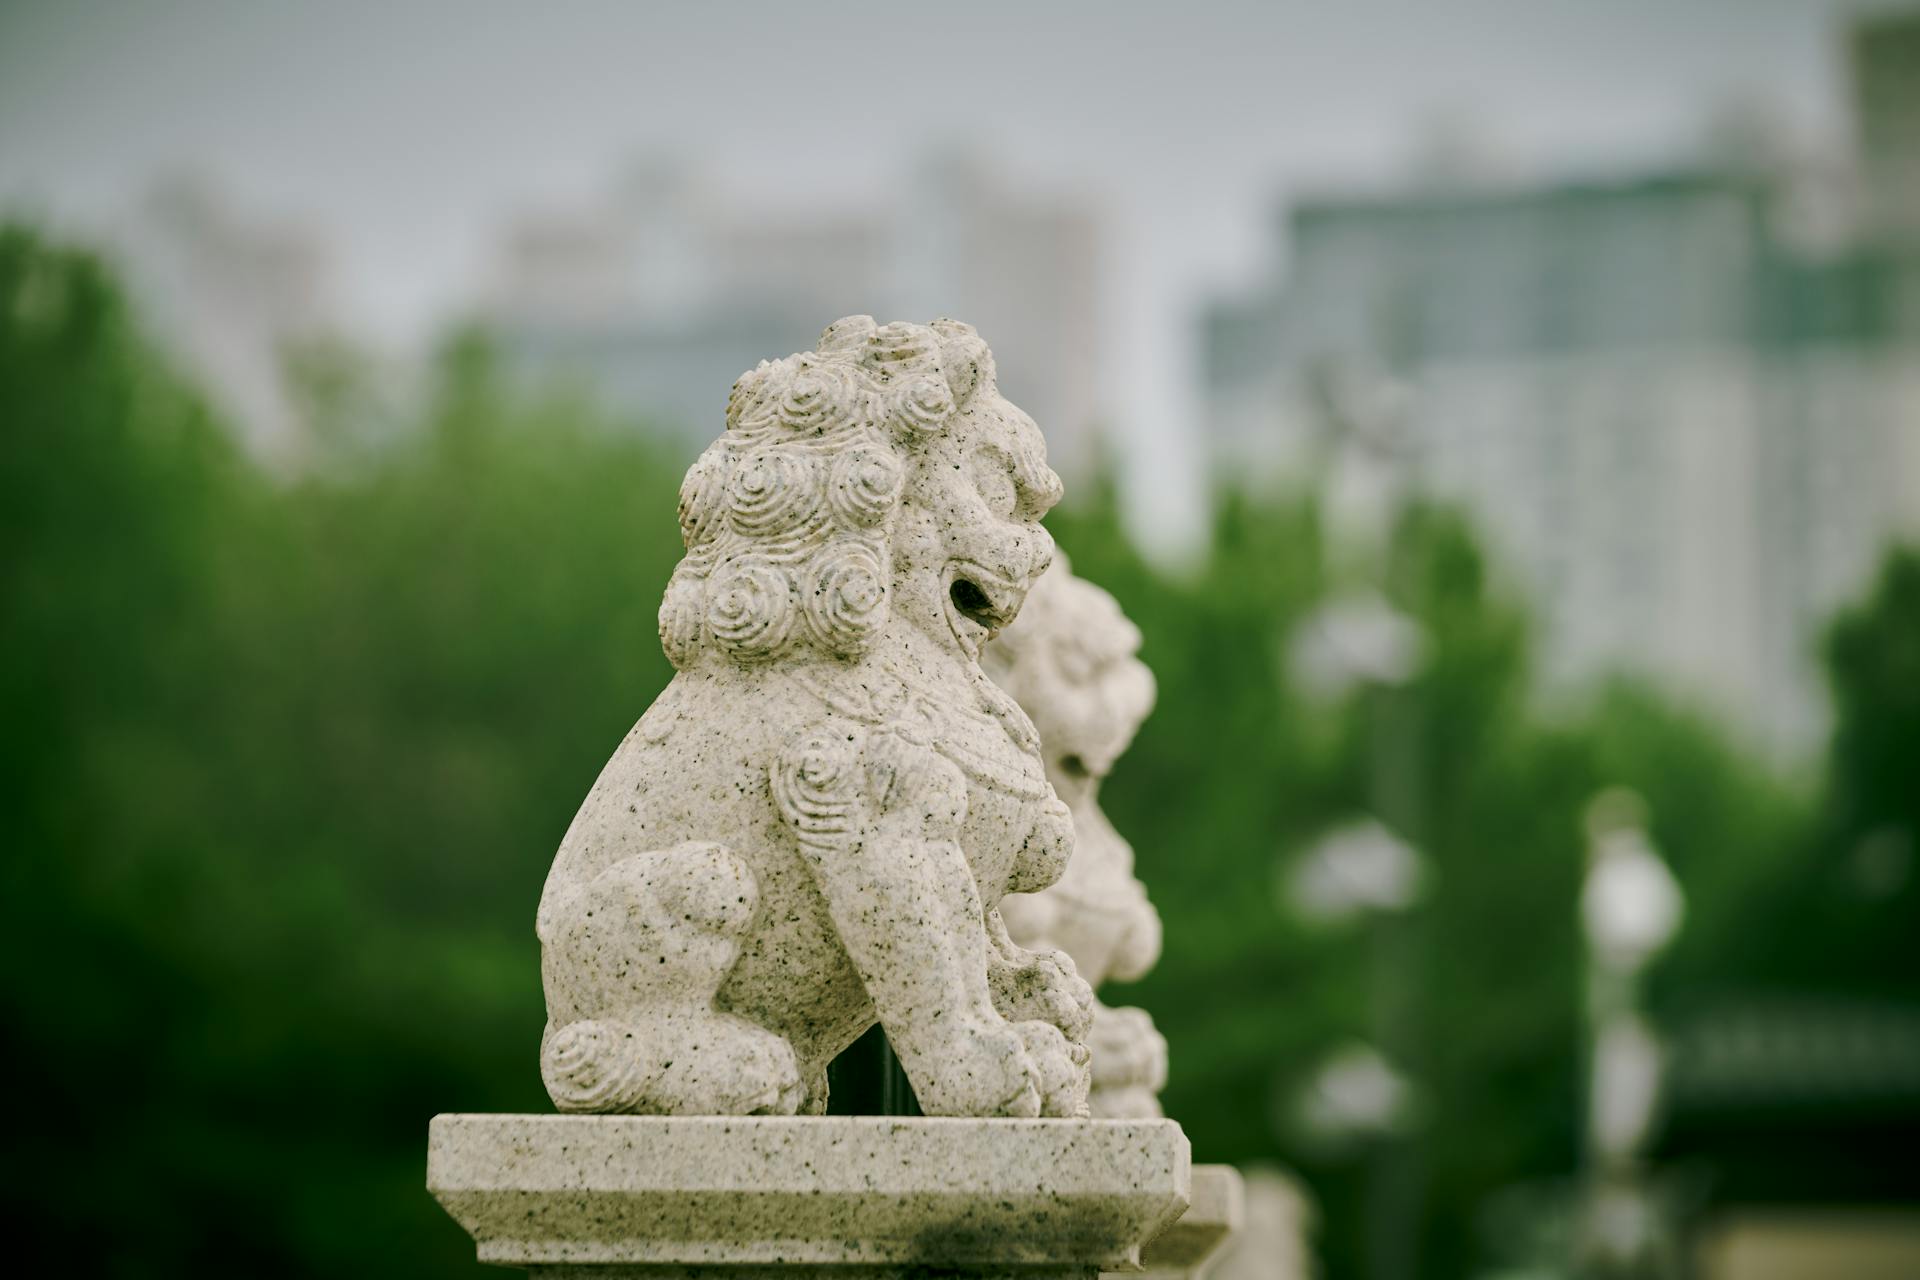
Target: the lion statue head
(1072, 662)
(880, 475)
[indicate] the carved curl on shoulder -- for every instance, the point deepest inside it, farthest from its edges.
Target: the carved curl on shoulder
(788, 517)
(838, 781)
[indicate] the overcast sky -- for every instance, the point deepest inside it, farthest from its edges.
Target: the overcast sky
(407, 132)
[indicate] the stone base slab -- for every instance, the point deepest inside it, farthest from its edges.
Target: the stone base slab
(838, 1198)
(1216, 1211)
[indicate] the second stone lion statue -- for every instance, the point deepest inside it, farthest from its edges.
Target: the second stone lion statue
(813, 825)
(1072, 662)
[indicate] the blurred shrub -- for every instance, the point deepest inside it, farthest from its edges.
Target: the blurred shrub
(285, 765)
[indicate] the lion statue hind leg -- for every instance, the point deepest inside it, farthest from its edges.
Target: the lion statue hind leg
(635, 955)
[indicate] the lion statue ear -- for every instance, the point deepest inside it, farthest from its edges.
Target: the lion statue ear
(967, 362)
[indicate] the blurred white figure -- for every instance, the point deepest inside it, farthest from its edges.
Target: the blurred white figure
(1357, 1094)
(1631, 904)
(1630, 908)
(1627, 1061)
(1354, 639)
(1273, 1241)
(1356, 868)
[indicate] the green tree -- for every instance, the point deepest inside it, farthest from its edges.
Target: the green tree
(1833, 918)
(285, 768)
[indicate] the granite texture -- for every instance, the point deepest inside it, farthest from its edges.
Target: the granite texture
(864, 1196)
(1070, 660)
(811, 827)
(1273, 1241)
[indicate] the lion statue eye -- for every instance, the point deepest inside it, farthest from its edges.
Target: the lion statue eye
(994, 479)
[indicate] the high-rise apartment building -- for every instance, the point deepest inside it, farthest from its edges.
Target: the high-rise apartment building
(1688, 435)
(662, 296)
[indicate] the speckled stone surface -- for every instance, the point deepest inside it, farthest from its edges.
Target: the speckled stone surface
(1216, 1211)
(1274, 1243)
(1070, 660)
(866, 1195)
(810, 829)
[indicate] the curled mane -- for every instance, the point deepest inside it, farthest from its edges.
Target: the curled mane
(788, 517)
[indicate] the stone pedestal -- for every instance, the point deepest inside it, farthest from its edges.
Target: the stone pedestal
(1216, 1210)
(833, 1198)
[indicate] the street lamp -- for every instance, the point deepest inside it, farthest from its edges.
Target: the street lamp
(1630, 909)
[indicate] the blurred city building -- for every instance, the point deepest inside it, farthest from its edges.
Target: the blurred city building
(232, 297)
(1686, 406)
(660, 297)
(1884, 58)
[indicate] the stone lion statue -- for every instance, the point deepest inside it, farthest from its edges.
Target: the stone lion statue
(1071, 661)
(810, 829)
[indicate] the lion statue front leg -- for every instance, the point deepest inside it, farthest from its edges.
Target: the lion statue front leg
(1041, 994)
(878, 819)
